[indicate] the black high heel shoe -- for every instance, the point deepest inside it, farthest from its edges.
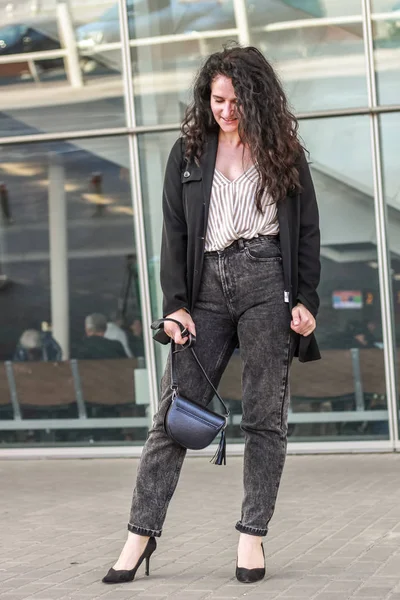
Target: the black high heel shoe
(250, 575)
(123, 576)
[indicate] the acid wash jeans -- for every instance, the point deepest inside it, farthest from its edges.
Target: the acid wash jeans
(241, 300)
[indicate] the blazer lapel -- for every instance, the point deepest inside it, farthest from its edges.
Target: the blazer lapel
(207, 163)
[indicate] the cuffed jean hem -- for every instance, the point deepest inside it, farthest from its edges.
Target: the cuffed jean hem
(143, 531)
(250, 530)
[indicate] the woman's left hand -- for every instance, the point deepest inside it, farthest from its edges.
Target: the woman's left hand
(302, 320)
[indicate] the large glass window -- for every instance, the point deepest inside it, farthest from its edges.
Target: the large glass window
(60, 67)
(322, 65)
(67, 244)
(154, 150)
(343, 396)
(74, 368)
(169, 39)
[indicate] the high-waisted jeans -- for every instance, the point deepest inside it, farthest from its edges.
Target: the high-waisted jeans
(241, 300)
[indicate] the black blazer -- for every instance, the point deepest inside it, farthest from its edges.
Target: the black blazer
(186, 200)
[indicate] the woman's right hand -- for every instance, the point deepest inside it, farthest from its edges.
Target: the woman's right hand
(172, 329)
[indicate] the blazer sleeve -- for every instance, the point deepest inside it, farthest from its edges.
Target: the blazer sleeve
(309, 266)
(173, 263)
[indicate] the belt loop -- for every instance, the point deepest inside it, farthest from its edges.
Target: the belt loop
(240, 243)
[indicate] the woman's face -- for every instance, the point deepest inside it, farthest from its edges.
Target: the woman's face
(223, 103)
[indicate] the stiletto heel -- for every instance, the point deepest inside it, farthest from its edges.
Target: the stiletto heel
(148, 566)
(250, 575)
(123, 576)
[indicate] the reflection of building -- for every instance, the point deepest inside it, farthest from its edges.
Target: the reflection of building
(87, 121)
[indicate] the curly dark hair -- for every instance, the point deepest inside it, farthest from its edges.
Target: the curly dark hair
(266, 124)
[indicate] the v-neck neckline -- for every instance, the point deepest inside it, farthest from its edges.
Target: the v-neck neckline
(237, 178)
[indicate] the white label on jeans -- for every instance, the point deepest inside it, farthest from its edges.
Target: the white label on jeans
(286, 296)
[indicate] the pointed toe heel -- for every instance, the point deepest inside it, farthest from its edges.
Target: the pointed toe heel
(249, 575)
(123, 576)
(114, 576)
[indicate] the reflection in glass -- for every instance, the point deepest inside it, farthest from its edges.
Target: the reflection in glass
(322, 66)
(386, 32)
(350, 380)
(325, 8)
(70, 79)
(154, 150)
(180, 35)
(71, 317)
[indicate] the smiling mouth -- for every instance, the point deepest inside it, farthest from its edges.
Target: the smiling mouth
(229, 120)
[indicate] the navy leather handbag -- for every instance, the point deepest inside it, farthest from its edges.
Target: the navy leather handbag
(187, 422)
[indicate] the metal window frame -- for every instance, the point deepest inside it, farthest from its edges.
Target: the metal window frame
(129, 451)
(33, 138)
(137, 202)
(381, 224)
(132, 131)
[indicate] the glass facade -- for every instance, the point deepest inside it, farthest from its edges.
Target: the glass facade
(68, 250)
(92, 96)
(51, 79)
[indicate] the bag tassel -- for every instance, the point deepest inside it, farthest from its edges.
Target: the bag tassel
(220, 454)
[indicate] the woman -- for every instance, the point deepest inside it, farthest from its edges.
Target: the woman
(239, 264)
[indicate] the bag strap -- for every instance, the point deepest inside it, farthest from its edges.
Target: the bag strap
(189, 344)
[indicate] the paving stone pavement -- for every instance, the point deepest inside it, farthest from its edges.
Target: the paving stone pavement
(335, 534)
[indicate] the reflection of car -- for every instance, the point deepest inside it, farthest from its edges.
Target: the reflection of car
(148, 18)
(152, 18)
(165, 17)
(21, 38)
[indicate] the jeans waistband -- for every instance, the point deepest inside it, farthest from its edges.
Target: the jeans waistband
(242, 243)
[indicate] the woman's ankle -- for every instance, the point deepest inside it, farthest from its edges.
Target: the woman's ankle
(136, 538)
(246, 538)
(130, 553)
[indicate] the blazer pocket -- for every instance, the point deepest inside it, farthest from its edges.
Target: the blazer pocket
(191, 174)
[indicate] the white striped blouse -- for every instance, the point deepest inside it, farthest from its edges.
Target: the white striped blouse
(233, 213)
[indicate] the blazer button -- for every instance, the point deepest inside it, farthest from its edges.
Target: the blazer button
(186, 174)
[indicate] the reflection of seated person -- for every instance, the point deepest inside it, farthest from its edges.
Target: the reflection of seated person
(115, 332)
(135, 338)
(370, 335)
(36, 345)
(95, 345)
(360, 335)
(29, 347)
